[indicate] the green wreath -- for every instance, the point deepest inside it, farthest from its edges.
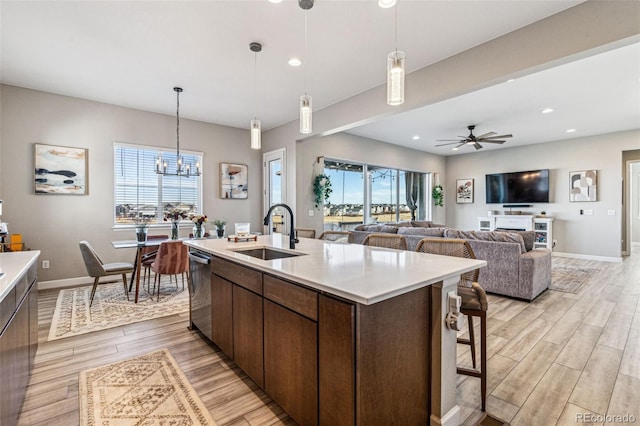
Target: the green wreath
(321, 189)
(438, 195)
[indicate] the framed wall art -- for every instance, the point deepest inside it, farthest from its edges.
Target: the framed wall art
(60, 170)
(233, 181)
(464, 191)
(583, 185)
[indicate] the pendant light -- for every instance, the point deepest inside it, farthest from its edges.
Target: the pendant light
(395, 71)
(256, 142)
(162, 166)
(306, 108)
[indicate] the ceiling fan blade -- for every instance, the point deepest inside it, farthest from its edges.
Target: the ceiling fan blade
(499, 137)
(455, 148)
(448, 140)
(477, 146)
(489, 141)
(485, 135)
(452, 143)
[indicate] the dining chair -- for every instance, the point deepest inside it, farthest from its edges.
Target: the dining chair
(305, 233)
(172, 259)
(474, 303)
(338, 236)
(96, 268)
(392, 241)
(149, 255)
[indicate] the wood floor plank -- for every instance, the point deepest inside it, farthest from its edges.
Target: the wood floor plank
(630, 365)
(578, 350)
(546, 403)
(574, 414)
(625, 400)
(602, 369)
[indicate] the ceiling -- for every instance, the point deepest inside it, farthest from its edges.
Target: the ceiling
(133, 53)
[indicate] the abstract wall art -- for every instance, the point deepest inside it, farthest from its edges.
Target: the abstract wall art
(234, 181)
(464, 191)
(60, 170)
(583, 185)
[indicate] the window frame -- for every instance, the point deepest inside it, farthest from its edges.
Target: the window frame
(159, 222)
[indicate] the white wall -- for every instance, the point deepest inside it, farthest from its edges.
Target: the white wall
(55, 224)
(597, 235)
(344, 146)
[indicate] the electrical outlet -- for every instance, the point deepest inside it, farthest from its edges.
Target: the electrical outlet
(611, 212)
(45, 264)
(310, 212)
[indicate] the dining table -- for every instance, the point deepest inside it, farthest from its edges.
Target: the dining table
(139, 246)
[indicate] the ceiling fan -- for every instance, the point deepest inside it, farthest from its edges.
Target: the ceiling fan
(474, 140)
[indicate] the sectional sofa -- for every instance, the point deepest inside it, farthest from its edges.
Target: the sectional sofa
(513, 268)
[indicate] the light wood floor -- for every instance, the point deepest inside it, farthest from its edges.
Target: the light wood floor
(549, 360)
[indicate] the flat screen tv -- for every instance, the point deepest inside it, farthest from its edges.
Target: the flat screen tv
(518, 187)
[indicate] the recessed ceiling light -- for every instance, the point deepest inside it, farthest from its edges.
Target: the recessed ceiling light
(385, 4)
(511, 80)
(455, 148)
(416, 137)
(547, 110)
(274, 1)
(295, 62)
(571, 130)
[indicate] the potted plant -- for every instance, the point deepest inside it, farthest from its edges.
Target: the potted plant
(220, 223)
(321, 189)
(438, 195)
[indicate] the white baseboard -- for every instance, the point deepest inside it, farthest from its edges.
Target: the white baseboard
(72, 282)
(450, 418)
(588, 257)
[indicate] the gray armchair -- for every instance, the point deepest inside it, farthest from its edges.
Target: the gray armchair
(96, 268)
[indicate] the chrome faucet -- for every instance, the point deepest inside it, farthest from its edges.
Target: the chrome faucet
(292, 235)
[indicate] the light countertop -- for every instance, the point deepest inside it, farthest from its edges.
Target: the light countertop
(13, 266)
(354, 272)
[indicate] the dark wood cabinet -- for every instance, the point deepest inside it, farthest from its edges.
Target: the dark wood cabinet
(325, 360)
(291, 362)
(18, 345)
(222, 314)
(247, 333)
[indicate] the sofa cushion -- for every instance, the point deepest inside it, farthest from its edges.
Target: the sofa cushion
(425, 232)
(406, 223)
(504, 237)
(529, 238)
(390, 229)
(421, 223)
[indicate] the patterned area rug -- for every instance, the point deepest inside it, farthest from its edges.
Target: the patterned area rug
(111, 308)
(570, 278)
(146, 390)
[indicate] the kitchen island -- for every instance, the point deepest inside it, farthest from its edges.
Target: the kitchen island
(339, 333)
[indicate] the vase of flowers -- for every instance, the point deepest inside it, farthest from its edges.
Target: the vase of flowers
(175, 216)
(198, 225)
(220, 223)
(141, 231)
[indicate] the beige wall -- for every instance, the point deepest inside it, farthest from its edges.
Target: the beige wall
(55, 224)
(344, 146)
(575, 233)
(635, 202)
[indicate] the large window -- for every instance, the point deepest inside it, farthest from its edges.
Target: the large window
(142, 193)
(386, 195)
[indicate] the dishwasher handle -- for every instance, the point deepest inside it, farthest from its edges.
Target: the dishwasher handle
(200, 258)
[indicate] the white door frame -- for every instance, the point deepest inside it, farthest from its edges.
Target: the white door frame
(266, 178)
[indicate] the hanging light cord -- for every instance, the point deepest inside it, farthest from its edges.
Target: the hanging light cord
(395, 24)
(178, 123)
(255, 84)
(306, 67)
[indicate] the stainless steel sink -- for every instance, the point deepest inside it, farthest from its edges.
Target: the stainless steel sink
(265, 253)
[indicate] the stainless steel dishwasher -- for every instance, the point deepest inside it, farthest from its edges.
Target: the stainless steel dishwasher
(200, 291)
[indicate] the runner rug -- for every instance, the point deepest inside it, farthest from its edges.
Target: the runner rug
(147, 390)
(111, 308)
(571, 278)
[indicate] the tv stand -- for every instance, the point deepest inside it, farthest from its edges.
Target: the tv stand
(542, 226)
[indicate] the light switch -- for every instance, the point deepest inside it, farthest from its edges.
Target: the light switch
(611, 212)
(310, 212)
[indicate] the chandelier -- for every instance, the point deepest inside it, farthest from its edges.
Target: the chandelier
(162, 166)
